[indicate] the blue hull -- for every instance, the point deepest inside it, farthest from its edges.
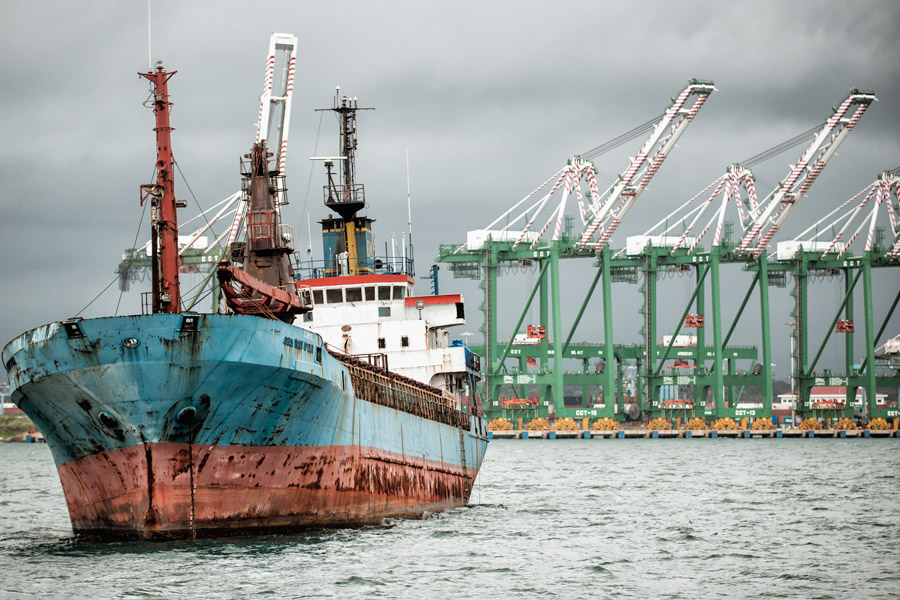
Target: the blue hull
(115, 396)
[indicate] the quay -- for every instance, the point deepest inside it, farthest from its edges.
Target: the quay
(620, 434)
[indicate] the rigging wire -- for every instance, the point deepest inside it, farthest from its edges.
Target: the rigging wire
(198, 299)
(782, 147)
(200, 208)
(197, 286)
(623, 138)
(130, 262)
(115, 279)
(303, 214)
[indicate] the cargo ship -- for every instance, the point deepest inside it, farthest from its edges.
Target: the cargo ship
(281, 412)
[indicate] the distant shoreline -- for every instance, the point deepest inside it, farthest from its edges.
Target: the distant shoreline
(14, 428)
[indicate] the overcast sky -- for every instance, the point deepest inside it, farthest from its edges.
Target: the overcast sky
(489, 98)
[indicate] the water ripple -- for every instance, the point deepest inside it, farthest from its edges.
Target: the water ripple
(572, 519)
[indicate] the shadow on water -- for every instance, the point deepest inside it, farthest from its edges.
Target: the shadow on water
(248, 546)
(83, 546)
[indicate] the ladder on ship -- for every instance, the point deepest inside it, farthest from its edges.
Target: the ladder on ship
(462, 451)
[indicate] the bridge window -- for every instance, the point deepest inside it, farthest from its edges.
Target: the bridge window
(384, 292)
(334, 296)
(370, 293)
(354, 294)
(398, 292)
(318, 297)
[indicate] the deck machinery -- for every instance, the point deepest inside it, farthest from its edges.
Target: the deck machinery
(197, 253)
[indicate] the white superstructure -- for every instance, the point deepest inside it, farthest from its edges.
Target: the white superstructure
(374, 316)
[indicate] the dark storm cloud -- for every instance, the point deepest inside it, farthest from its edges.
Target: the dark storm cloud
(490, 99)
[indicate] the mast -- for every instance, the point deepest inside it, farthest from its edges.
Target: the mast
(349, 236)
(164, 219)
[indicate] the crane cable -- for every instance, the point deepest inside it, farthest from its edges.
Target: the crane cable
(782, 147)
(623, 138)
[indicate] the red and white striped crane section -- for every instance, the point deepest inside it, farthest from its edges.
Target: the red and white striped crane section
(604, 211)
(760, 220)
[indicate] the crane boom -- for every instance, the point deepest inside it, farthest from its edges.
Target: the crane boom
(781, 201)
(274, 120)
(759, 220)
(273, 124)
(851, 219)
(608, 211)
(605, 210)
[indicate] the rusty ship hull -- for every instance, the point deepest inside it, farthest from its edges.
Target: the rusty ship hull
(176, 425)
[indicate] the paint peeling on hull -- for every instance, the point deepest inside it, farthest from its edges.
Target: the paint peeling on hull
(228, 427)
(145, 492)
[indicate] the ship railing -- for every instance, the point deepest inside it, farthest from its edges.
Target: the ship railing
(344, 193)
(379, 360)
(146, 303)
(287, 235)
(382, 387)
(337, 267)
(276, 178)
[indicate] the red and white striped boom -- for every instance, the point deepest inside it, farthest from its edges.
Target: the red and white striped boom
(609, 211)
(605, 210)
(882, 194)
(781, 201)
(272, 126)
(759, 220)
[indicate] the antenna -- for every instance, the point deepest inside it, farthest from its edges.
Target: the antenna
(149, 48)
(408, 207)
(309, 248)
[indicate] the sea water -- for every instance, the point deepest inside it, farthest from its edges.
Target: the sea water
(681, 518)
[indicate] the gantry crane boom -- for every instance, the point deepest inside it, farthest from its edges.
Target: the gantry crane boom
(608, 211)
(754, 215)
(882, 194)
(605, 210)
(775, 208)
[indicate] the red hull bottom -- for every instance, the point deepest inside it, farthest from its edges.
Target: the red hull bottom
(167, 490)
